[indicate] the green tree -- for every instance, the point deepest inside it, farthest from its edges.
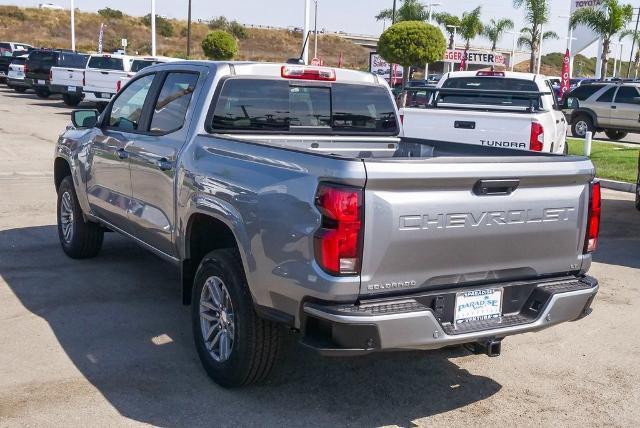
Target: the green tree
(448, 21)
(219, 23)
(107, 12)
(163, 26)
(635, 36)
(537, 14)
(410, 10)
(527, 40)
(607, 20)
(470, 26)
(411, 42)
(496, 29)
(220, 45)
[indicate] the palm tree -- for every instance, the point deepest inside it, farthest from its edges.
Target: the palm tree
(411, 10)
(537, 13)
(470, 26)
(527, 40)
(496, 29)
(447, 21)
(607, 20)
(635, 36)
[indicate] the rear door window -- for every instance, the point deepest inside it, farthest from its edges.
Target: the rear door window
(626, 95)
(585, 91)
(172, 104)
(106, 63)
(607, 97)
(280, 106)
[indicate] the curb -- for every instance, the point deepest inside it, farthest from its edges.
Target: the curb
(620, 186)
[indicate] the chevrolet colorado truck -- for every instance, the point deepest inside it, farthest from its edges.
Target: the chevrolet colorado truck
(288, 197)
(489, 108)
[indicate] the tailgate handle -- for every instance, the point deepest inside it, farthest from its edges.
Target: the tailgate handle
(495, 187)
(461, 124)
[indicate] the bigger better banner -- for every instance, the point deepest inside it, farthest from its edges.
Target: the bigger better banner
(475, 57)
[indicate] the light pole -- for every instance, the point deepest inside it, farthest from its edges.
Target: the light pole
(73, 26)
(305, 33)
(189, 31)
(540, 49)
(430, 6)
(153, 27)
(453, 46)
(315, 30)
(615, 58)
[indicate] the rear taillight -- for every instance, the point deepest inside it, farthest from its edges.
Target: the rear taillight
(308, 73)
(338, 242)
(83, 84)
(593, 218)
(118, 85)
(536, 141)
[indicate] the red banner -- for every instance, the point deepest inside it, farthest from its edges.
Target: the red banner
(565, 82)
(463, 62)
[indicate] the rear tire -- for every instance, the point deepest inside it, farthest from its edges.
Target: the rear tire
(20, 89)
(581, 125)
(235, 346)
(43, 93)
(79, 239)
(71, 100)
(615, 135)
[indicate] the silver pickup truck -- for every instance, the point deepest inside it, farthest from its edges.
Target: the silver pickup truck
(287, 197)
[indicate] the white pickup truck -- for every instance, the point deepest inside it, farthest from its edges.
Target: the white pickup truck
(67, 78)
(488, 108)
(102, 77)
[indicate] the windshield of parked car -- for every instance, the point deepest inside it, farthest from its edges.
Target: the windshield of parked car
(493, 84)
(280, 106)
(106, 63)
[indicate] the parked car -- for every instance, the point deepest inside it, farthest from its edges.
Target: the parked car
(38, 69)
(491, 108)
(287, 197)
(67, 78)
(7, 48)
(612, 108)
(5, 60)
(102, 77)
(15, 77)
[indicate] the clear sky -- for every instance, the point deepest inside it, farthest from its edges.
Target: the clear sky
(352, 16)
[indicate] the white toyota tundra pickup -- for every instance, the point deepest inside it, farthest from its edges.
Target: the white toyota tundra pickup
(488, 108)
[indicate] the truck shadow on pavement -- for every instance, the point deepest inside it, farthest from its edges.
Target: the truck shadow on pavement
(619, 242)
(119, 319)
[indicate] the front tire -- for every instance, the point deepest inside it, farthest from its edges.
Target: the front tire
(581, 125)
(71, 100)
(20, 89)
(235, 346)
(79, 239)
(615, 135)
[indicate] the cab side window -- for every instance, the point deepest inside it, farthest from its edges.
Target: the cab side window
(127, 107)
(171, 106)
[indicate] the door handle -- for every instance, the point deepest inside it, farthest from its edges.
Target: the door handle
(122, 153)
(614, 107)
(164, 165)
(495, 187)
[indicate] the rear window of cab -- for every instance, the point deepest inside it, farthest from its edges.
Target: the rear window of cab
(282, 106)
(106, 63)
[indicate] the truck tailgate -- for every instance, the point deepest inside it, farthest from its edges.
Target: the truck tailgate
(103, 80)
(67, 76)
(429, 223)
(497, 129)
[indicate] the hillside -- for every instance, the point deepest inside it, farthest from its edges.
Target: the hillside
(582, 66)
(48, 28)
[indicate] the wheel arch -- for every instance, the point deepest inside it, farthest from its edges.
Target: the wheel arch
(61, 169)
(585, 112)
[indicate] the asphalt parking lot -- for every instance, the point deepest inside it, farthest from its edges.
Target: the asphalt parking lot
(106, 342)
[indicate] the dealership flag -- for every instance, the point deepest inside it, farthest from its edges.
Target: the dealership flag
(566, 74)
(100, 38)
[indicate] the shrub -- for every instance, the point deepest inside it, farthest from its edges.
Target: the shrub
(163, 26)
(220, 45)
(219, 23)
(107, 12)
(238, 30)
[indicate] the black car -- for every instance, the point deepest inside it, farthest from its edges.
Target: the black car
(38, 67)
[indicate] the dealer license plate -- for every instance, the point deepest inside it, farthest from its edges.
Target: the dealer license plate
(42, 82)
(71, 88)
(475, 305)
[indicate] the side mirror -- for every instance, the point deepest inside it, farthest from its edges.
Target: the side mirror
(571, 103)
(84, 118)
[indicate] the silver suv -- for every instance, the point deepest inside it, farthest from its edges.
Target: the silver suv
(612, 108)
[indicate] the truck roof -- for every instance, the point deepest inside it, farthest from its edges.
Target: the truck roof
(507, 74)
(247, 68)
